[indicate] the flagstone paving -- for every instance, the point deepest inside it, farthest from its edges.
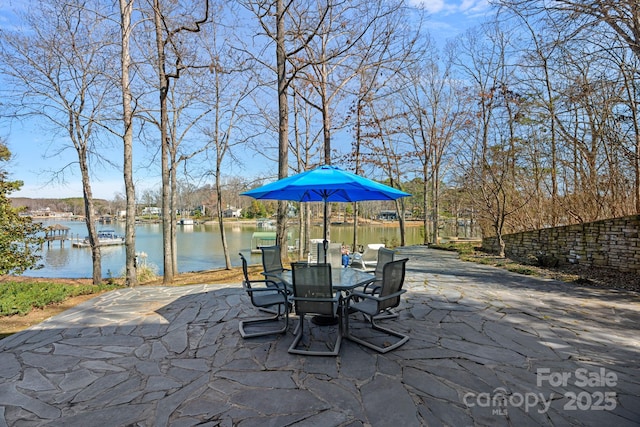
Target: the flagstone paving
(487, 348)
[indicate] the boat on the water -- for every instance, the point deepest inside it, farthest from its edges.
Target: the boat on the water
(105, 238)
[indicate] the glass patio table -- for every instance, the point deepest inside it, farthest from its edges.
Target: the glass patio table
(342, 279)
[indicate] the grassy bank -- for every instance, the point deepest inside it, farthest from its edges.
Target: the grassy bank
(22, 297)
(25, 301)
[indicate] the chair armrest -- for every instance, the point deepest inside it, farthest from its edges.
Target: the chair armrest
(272, 283)
(371, 286)
(274, 272)
(377, 297)
(274, 287)
(267, 282)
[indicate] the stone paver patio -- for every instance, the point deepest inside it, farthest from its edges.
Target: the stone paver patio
(487, 348)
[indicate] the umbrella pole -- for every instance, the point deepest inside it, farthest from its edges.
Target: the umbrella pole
(325, 243)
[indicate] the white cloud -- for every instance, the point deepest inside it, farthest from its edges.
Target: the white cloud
(431, 6)
(451, 6)
(474, 6)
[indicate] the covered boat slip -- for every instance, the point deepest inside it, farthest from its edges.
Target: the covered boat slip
(259, 239)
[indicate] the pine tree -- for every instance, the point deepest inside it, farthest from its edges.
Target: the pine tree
(20, 238)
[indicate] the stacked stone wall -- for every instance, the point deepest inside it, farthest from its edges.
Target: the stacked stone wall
(611, 243)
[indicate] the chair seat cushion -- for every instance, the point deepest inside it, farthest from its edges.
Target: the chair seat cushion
(267, 298)
(366, 306)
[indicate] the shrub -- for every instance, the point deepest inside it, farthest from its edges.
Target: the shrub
(145, 272)
(22, 297)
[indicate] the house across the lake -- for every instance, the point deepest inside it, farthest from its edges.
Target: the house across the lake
(151, 210)
(232, 212)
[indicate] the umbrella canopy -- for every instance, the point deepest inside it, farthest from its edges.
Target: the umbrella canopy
(326, 184)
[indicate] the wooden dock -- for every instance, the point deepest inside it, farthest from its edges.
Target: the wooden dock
(56, 233)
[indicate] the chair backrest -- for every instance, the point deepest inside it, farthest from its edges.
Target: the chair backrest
(371, 252)
(245, 268)
(246, 282)
(317, 253)
(312, 282)
(271, 261)
(315, 246)
(334, 254)
(384, 256)
(392, 281)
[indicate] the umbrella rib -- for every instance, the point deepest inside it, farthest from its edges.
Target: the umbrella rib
(324, 193)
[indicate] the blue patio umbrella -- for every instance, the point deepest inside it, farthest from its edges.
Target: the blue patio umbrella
(326, 184)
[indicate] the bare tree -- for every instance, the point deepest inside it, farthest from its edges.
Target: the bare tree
(575, 16)
(341, 37)
(538, 80)
(434, 117)
(126, 11)
(356, 37)
(230, 84)
(382, 149)
(168, 44)
(60, 71)
(625, 130)
(272, 17)
(492, 151)
(305, 148)
(574, 24)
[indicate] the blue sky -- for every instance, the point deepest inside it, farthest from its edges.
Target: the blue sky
(32, 165)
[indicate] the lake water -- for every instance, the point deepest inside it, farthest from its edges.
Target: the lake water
(199, 246)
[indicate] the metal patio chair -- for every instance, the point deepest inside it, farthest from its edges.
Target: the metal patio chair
(272, 263)
(384, 256)
(334, 254)
(313, 294)
(372, 305)
(369, 258)
(265, 295)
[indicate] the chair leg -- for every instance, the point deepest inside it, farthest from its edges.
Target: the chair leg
(299, 333)
(372, 321)
(387, 314)
(268, 310)
(243, 324)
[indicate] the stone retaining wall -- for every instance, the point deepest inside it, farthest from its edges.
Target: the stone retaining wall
(612, 243)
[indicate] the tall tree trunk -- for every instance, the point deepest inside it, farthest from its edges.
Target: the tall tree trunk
(356, 155)
(173, 223)
(326, 132)
(283, 127)
(131, 277)
(401, 221)
(435, 201)
(220, 208)
(425, 204)
(90, 220)
(636, 169)
(167, 248)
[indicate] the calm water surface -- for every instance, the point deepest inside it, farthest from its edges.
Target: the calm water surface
(199, 247)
